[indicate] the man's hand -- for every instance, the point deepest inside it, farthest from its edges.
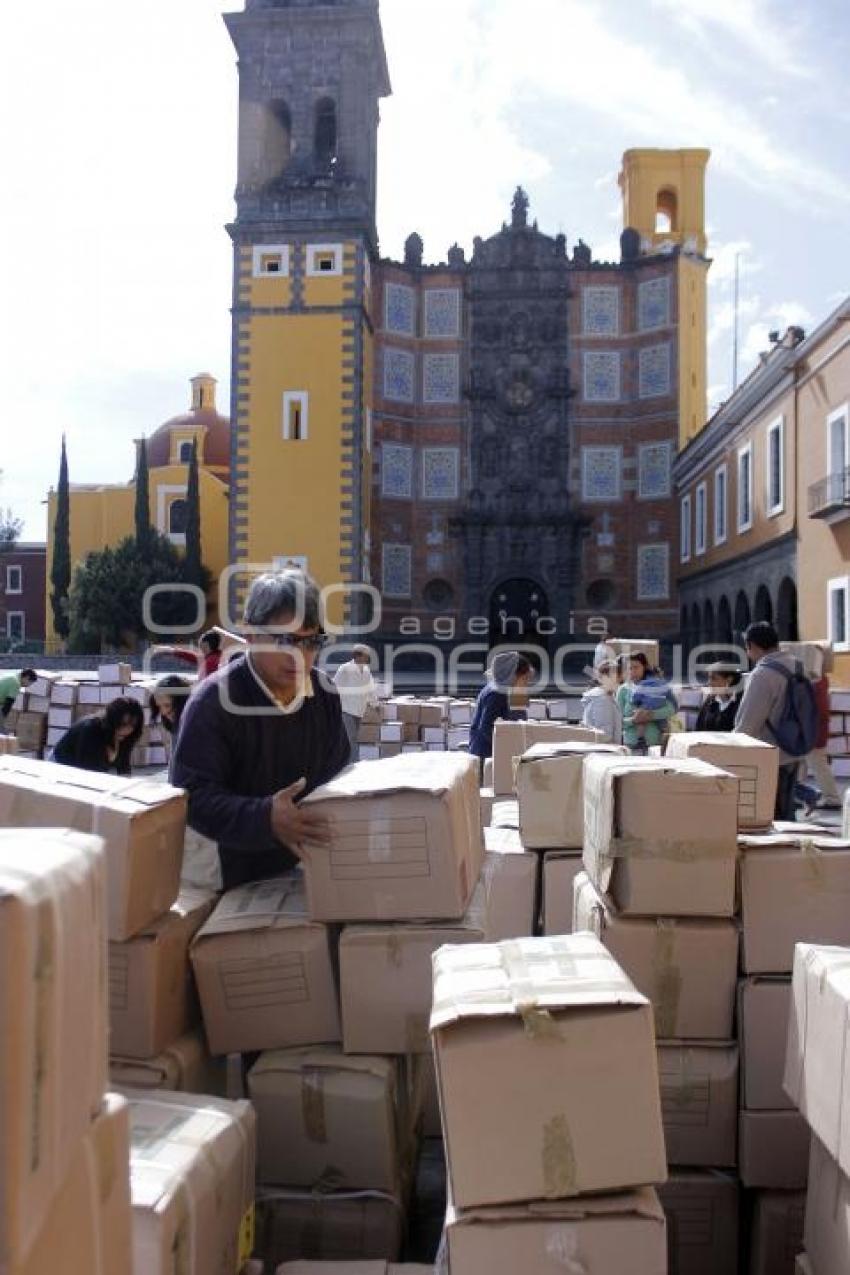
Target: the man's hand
(642, 717)
(292, 824)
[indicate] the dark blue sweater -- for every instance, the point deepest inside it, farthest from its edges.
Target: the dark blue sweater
(492, 706)
(232, 760)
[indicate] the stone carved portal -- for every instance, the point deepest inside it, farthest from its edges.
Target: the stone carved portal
(516, 608)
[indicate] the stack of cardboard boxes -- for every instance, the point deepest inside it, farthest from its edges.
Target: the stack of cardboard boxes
(816, 1080)
(189, 1176)
(548, 1083)
(64, 1185)
(659, 890)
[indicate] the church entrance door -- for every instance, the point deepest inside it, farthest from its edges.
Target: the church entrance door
(517, 606)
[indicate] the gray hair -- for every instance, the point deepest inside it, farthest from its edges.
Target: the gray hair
(291, 593)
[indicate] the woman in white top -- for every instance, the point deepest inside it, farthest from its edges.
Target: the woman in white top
(601, 710)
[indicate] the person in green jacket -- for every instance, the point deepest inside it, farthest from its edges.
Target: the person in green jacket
(10, 684)
(644, 727)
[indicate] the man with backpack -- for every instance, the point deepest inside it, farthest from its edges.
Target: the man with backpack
(778, 707)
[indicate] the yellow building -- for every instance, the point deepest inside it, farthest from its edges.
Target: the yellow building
(102, 514)
(664, 201)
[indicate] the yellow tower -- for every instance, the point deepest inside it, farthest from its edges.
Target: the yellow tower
(664, 201)
(311, 76)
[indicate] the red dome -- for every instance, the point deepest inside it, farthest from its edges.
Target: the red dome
(216, 444)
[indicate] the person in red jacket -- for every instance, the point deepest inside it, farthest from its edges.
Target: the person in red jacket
(205, 660)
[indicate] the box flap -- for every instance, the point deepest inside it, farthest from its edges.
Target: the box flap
(643, 1202)
(322, 1058)
(569, 748)
(683, 742)
(799, 843)
(503, 841)
(433, 773)
(88, 785)
(527, 978)
(261, 905)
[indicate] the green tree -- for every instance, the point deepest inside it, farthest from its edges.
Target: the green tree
(193, 562)
(60, 568)
(107, 596)
(144, 531)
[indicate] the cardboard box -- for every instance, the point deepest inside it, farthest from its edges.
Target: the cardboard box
(559, 874)
(88, 1228)
(369, 733)
(39, 704)
(115, 674)
(793, 889)
(606, 1234)
(687, 968)
(817, 1065)
(636, 646)
(385, 979)
(827, 1224)
(368, 752)
(352, 1268)
(344, 1226)
(185, 1066)
(406, 841)
(326, 1119)
(699, 1103)
(60, 716)
(776, 1235)
(802, 1265)
(562, 1015)
(53, 1026)
(764, 1006)
(702, 1214)
(509, 878)
(263, 971)
(512, 739)
(43, 684)
(89, 693)
(487, 799)
(142, 822)
(505, 814)
(660, 836)
(550, 793)
(773, 1150)
(8, 744)
(754, 764)
(31, 732)
(151, 994)
(457, 737)
(461, 710)
(433, 714)
(192, 1182)
(536, 710)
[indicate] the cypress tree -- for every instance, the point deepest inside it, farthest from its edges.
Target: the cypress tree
(193, 561)
(60, 569)
(143, 509)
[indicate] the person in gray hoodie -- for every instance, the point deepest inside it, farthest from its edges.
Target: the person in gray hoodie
(600, 709)
(762, 706)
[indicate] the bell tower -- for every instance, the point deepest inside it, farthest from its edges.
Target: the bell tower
(664, 201)
(311, 76)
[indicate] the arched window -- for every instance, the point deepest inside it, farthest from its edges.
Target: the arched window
(185, 453)
(178, 516)
(742, 615)
(724, 622)
(696, 625)
(325, 140)
(764, 604)
(279, 136)
(708, 622)
(666, 212)
(786, 611)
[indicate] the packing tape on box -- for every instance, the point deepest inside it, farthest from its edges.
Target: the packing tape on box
(313, 1104)
(667, 980)
(559, 1160)
(812, 856)
(562, 1246)
(668, 851)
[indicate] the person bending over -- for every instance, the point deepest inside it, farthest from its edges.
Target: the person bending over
(104, 742)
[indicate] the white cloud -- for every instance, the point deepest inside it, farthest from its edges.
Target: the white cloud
(756, 26)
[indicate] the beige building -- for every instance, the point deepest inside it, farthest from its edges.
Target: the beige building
(764, 499)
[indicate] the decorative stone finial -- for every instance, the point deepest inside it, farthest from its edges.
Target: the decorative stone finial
(519, 208)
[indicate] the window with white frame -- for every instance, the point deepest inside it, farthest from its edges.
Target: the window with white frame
(838, 621)
(837, 450)
(270, 259)
(721, 505)
(775, 467)
(701, 518)
(324, 259)
(296, 415)
(685, 530)
(14, 580)
(745, 488)
(16, 625)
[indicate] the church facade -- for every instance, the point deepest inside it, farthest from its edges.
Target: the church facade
(489, 439)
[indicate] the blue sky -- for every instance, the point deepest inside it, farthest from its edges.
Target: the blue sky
(119, 154)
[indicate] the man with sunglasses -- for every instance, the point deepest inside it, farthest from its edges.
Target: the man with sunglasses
(261, 733)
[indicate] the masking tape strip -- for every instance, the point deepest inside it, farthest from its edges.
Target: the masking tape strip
(559, 1161)
(667, 981)
(313, 1105)
(669, 851)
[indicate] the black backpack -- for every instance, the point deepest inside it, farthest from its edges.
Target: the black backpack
(797, 729)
